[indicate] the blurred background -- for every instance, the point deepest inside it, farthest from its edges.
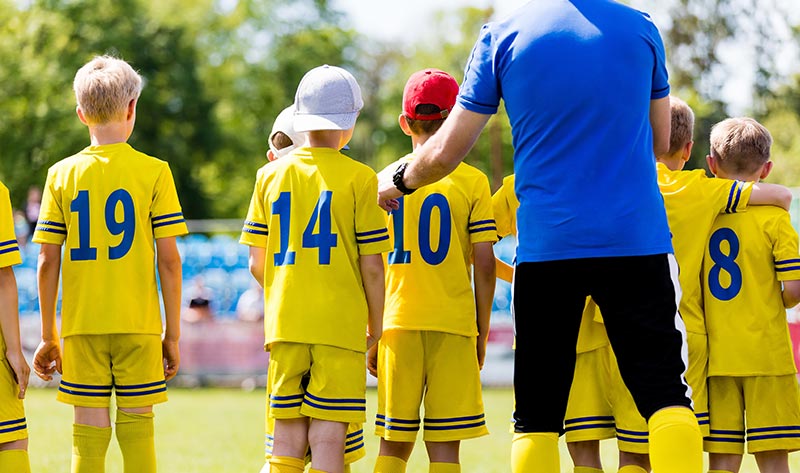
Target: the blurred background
(217, 72)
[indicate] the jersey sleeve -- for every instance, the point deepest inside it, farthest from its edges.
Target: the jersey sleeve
(482, 226)
(728, 196)
(503, 213)
(51, 227)
(480, 91)
(255, 230)
(785, 249)
(9, 248)
(166, 216)
(372, 236)
(660, 87)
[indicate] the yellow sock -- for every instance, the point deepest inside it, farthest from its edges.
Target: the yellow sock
(89, 445)
(346, 468)
(136, 437)
(587, 469)
(286, 465)
(632, 469)
(440, 467)
(535, 453)
(15, 460)
(676, 444)
(387, 464)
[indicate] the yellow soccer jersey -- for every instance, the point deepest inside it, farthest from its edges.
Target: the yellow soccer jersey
(107, 205)
(746, 259)
(693, 201)
(592, 333)
(315, 212)
(505, 205)
(429, 271)
(9, 249)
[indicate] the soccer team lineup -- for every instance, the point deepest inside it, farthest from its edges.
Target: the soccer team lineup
(649, 302)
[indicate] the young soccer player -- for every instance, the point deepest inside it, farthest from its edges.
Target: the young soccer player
(751, 273)
(589, 416)
(435, 326)
(692, 202)
(316, 237)
(117, 213)
(282, 140)
(14, 370)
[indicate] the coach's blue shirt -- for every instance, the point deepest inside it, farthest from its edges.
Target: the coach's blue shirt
(577, 77)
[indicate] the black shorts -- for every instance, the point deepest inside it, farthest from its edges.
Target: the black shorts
(638, 297)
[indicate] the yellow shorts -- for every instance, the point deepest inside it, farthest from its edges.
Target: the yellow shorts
(336, 390)
(769, 406)
(437, 368)
(589, 415)
(631, 426)
(131, 364)
(12, 413)
(353, 446)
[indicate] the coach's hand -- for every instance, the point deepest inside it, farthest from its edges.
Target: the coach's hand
(172, 358)
(387, 192)
(47, 359)
(372, 360)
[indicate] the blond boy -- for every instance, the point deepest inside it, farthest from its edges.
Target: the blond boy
(14, 370)
(117, 214)
(316, 236)
(692, 202)
(751, 273)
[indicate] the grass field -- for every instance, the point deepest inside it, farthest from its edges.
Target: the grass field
(221, 431)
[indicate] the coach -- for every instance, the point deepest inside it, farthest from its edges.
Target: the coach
(585, 86)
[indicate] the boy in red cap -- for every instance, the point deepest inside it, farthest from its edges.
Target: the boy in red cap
(435, 326)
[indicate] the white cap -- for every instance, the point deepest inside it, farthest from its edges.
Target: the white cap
(284, 122)
(328, 98)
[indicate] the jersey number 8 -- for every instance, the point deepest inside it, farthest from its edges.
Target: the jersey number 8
(723, 262)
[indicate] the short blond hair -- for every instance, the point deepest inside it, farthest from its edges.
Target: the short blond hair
(741, 145)
(104, 87)
(682, 124)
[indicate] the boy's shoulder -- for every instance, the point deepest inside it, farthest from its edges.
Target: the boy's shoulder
(143, 161)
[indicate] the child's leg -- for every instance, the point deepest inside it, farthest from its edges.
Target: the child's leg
(14, 456)
(444, 456)
(725, 462)
(326, 439)
(393, 456)
(585, 455)
(290, 445)
(91, 434)
(775, 461)
(136, 437)
(633, 462)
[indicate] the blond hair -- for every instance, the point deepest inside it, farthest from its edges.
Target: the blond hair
(104, 87)
(682, 124)
(741, 145)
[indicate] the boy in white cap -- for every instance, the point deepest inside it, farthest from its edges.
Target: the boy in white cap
(314, 212)
(283, 138)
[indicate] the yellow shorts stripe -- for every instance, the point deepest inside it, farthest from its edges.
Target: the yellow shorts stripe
(454, 423)
(354, 441)
(769, 433)
(13, 425)
(402, 425)
(335, 404)
(285, 402)
(87, 390)
(591, 422)
(141, 389)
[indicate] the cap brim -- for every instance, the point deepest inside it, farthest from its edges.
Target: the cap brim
(336, 121)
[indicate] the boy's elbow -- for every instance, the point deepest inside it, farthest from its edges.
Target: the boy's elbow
(791, 293)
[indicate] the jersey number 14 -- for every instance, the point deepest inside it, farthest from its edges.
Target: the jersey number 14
(324, 238)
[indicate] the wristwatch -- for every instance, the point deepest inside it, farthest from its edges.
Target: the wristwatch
(397, 179)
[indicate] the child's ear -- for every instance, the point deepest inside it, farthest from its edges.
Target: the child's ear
(81, 116)
(766, 169)
(131, 109)
(687, 151)
(712, 164)
(404, 124)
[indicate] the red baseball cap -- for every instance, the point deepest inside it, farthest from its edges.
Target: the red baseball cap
(429, 86)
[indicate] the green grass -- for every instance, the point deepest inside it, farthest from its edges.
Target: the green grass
(216, 430)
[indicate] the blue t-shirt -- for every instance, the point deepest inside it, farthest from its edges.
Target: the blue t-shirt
(577, 77)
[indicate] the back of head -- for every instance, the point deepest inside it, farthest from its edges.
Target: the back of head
(740, 145)
(682, 124)
(104, 87)
(283, 138)
(327, 98)
(428, 98)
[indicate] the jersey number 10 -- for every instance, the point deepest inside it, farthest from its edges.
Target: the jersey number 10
(126, 227)
(402, 256)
